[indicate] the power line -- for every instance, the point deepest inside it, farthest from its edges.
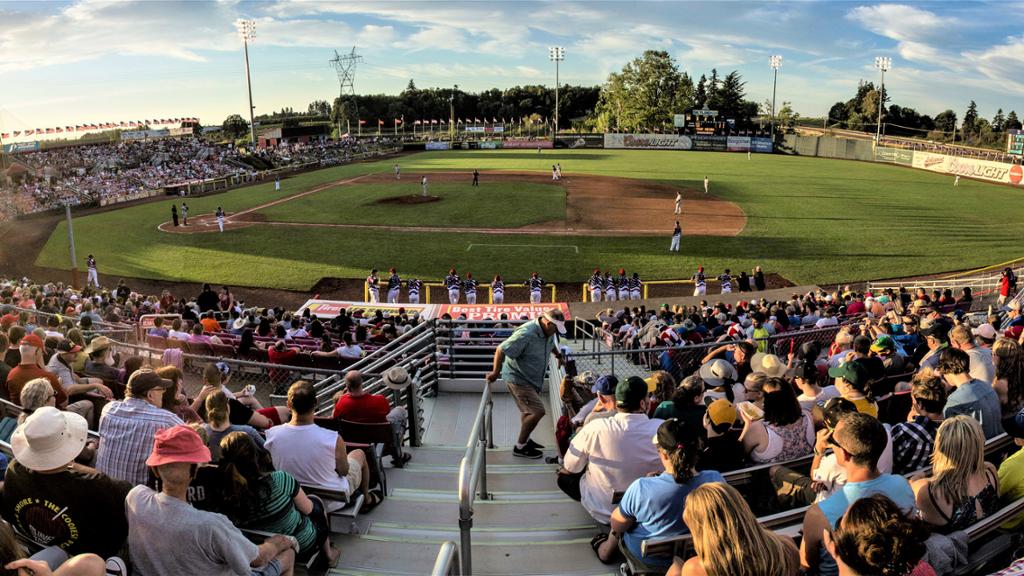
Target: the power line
(346, 69)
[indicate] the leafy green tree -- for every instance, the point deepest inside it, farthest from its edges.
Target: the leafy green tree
(700, 96)
(1012, 123)
(999, 121)
(319, 108)
(946, 122)
(645, 94)
(235, 126)
(971, 119)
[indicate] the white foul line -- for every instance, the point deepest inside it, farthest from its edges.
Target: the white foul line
(576, 248)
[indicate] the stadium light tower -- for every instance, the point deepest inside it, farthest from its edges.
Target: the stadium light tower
(247, 31)
(883, 63)
(451, 115)
(775, 62)
(556, 54)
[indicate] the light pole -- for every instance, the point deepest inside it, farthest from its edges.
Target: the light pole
(451, 116)
(775, 62)
(883, 63)
(247, 31)
(556, 54)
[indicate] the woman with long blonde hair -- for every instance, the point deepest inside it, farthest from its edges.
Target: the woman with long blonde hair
(963, 488)
(728, 539)
(1008, 357)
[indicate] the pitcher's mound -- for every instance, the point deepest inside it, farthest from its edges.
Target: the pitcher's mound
(405, 200)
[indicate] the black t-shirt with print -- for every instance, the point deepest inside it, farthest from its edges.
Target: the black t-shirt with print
(77, 511)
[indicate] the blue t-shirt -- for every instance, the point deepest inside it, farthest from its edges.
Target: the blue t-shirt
(526, 355)
(979, 401)
(657, 504)
(895, 487)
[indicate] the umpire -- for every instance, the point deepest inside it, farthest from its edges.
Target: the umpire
(521, 361)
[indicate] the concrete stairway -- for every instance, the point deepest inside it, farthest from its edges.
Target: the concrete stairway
(529, 527)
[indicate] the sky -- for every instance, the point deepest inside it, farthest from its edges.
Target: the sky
(65, 63)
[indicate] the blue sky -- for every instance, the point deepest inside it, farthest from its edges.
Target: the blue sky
(108, 60)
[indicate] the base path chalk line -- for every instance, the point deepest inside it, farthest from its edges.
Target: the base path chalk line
(574, 247)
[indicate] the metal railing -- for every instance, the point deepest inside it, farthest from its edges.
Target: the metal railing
(589, 336)
(114, 330)
(466, 348)
(447, 562)
(978, 284)
(473, 473)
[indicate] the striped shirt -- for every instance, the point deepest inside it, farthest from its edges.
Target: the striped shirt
(452, 281)
(275, 511)
(413, 286)
(699, 279)
(469, 286)
(498, 287)
(596, 282)
(372, 283)
(535, 284)
(127, 428)
(394, 282)
(912, 444)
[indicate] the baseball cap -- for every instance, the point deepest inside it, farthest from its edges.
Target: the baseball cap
(721, 411)
(986, 331)
(66, 346)
(49, 438)
(852, 372)
(715, 372)
(555, 316)
(144, 380)
(605, 385)
(178, 444)
(31, 340)
(630, 392)
(1014, 425)
(883, 342)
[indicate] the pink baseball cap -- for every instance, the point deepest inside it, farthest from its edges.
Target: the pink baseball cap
(178, 444)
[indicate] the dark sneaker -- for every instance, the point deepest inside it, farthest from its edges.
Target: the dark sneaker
(531, 444)
(527, 452)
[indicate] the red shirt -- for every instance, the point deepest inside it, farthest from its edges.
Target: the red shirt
(368, 408)
(286, 357)
(23, 373)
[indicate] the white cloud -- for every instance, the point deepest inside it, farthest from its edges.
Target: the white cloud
(1003, 63)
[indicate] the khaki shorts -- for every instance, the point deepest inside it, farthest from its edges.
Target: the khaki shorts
(527, 399)
(355, 475)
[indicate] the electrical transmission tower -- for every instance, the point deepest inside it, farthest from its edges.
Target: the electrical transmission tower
(346, 69)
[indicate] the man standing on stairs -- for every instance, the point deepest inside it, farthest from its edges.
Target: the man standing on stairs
(521, 361)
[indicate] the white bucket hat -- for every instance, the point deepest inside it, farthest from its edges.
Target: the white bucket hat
(49, 438)
(769, 364)
(396, 378)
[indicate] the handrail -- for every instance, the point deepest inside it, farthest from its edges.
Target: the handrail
(447, 562)
(473, 472)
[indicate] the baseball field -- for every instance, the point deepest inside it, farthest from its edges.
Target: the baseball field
(811, 220)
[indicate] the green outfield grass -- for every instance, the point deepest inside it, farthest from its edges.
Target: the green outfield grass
(460, 204)
(811, 220)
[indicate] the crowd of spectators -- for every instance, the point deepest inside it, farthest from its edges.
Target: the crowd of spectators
(875, 437)
(109, 447)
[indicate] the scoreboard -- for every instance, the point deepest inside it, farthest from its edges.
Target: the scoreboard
(1015, 142)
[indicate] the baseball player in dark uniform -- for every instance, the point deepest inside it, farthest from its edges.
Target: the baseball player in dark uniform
(373, 287)
(476, 177)
(596, 284)
(498, 289)
(394, 287)
(535, 284)
(220, 218)
(93, 277)
(453, 283)
(469, 287)
(700, 285)
(726, 280)
(413, 287)
(677, 233)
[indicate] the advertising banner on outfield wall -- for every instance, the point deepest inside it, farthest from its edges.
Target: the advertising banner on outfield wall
(525, 143)
(144, 134)
(19, 147)
(490, 145)
(894, 155)
(580, 141)
(710, 143)
(648, 142)
(737, 143)
(759, 144)
(437, 145)
(969, 167)
(476, 312)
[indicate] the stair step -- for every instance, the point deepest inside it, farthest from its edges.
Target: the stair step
(376, 555)
(499, 497)
(452, 455)
(439, 534)
(566, 512)
(529, 480)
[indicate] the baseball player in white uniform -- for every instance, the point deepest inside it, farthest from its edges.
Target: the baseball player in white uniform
(413, 287)
(498, 289)
(700, 285)
(469, 287)
(394, 286)
(677, 233)
(595, 284)
(94, 277)
(425, 184)
(220, 218)
(623, 284)
(373, 287)
(635, 285)
(277, 183)
(679, 202)
(453, 283)
(536, 285)
(705, 185)
(184, 214)
(398, 172)
(610, 289)
(726, 280)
